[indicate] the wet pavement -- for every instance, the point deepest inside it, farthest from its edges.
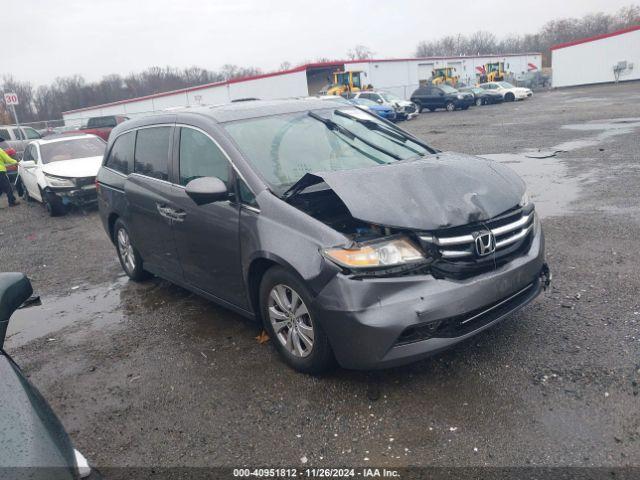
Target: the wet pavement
(151, 375)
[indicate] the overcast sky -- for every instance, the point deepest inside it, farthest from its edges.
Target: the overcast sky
(46, 38)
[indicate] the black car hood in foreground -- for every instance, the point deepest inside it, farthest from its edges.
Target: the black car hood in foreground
(442, 190)
(33, 443)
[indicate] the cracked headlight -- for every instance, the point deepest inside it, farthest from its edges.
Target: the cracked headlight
(59, 182)
(386, 253)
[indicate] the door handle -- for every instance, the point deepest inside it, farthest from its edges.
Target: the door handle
(178, 215)
(171, 213)
(163, 210)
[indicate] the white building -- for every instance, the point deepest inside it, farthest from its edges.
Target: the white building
(400, 76)
(604, 58)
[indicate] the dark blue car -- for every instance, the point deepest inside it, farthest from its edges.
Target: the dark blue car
(383, 111)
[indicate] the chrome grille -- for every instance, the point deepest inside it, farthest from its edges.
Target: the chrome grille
(463, 246)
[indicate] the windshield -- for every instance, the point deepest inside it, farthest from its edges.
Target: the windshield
(390, 97)
(505, 85)
(365, 102)
(447, 89)
(70, 149)
(283, 148)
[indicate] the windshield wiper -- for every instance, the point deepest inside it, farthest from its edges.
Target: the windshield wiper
(392, 134)
(333, 126)
(389, 129)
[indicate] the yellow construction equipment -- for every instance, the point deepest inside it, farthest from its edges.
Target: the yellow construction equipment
(444, 75)
(493, 72)
(346, 82)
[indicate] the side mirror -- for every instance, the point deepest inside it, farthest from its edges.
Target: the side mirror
(15, 288)
(28, 163)
(207, 190)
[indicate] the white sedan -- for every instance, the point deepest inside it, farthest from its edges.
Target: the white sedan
(61, 171)
(509, 92)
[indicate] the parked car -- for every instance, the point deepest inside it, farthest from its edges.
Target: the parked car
(100, 126)
(405, 109)
(508, 91)
(18, 137)
(349, 238)
(34, 442)
(444, 96)
(61, 171)
(383, 111)
(482, 96)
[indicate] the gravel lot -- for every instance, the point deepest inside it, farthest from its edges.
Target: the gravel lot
(151, 375)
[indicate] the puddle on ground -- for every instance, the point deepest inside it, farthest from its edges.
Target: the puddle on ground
(608, 128)
(550, 187)
(98, 307)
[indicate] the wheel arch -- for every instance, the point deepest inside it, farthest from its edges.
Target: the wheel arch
(263, 261)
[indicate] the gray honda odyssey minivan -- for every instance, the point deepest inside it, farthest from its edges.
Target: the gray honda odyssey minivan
(352, 240)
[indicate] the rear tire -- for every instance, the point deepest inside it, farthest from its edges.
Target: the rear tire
(285, 306)
(130, 259)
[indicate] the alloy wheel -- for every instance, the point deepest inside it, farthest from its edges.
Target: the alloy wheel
(125, 250)
(291, 320)
(478, 102)
(450, 107)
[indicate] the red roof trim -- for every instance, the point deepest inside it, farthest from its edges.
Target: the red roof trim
(301, 68)
(595, 37)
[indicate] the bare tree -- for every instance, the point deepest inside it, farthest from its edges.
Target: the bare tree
(360, 52)
(551, 33)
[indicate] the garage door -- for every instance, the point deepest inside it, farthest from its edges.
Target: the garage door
(424, 71)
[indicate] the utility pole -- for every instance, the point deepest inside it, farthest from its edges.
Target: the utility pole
(15, 117)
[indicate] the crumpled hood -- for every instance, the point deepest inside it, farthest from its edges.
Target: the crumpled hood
(437, 191)
(76, 168)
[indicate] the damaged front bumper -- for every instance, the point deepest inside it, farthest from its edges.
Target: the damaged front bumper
(77, 196)
(385, 322)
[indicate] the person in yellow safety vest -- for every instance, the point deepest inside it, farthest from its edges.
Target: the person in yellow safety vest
(5, 183)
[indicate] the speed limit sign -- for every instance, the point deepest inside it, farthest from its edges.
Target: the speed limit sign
(11, 99)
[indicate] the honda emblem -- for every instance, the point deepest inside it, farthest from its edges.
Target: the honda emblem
(485, 243)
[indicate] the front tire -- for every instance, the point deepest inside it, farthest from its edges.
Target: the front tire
(450, 106)
(53, 204)
(509, 97)
(479, 102)
(285, 305)
(130, 259)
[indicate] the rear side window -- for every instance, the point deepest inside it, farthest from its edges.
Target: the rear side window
(32, 134)
(18, 134)
(121, 156)
(152, 152)
(100, 122)
(200, 157)
(4, 134)
(27, 153)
